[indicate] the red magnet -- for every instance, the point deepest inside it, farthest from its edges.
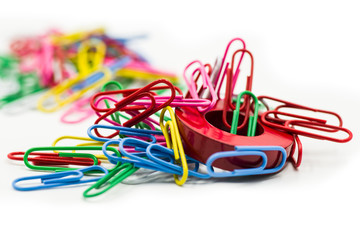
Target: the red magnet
(204, 135)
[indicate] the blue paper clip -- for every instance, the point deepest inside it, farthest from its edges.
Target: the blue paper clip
(94, 168)
(96, 76)
(125, 131)
(247, 151)
(60, 178)
(139, 159)
(163, 152)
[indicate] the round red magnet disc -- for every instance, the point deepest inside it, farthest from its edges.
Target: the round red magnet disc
(205, 134)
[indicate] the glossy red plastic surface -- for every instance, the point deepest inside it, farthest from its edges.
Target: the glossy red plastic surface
(205, 134)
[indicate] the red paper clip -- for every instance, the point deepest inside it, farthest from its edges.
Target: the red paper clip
(288, 126)
(50, 159)
(298, 144)
(221, 72)
(123, 105)
(229, 92)
(94, 101)
(287, 104)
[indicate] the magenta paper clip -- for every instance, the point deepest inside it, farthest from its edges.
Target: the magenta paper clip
(206, 84)
(80, 109)
(179, 101)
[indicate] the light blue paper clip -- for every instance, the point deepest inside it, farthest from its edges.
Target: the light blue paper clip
(59, 179)
(139, 159)
(247, 151)
(96, 76)
(125, 131)
(157, 153)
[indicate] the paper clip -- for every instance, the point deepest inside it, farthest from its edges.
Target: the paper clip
(38, 54)
(79, 108)
(7, 64)
(150, 156)
(115, 117)
(138, 158)
(121, 50)
(290, 124)
(174, 143)
(206, 84)
(25, 46)
(123, 130)
(159, 154)
(121, 172)
(82, 107)
(247, 151)
(51, 159)
(8, 76)
(28, 84)
(298, 144)
(56, 93)
(143, 92)
(88, 78)
(230, 84)
(98, 97)
(64, 154)
(286, 104)
(220, 72)
(45, 59)
(59, 179)
(86, 142)
(252, 119)
(94, 80)
(145, 101)
(75, 37)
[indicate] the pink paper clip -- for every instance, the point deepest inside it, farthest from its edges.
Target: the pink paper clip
(206, 84)
(37, 54)
(81, 108)
(179, 101)
(221, 72)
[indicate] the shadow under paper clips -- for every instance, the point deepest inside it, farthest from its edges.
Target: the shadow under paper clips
(147, 176)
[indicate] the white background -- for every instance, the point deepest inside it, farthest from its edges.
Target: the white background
(306, 52)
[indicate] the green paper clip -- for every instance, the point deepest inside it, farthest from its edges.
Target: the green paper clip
(252, 119)
(65, 154)
(120, 172)
(28, 83)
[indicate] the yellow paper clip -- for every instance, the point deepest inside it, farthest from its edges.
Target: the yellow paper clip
(69, 39)
(88, 142)
(174, 143)
(88, 64)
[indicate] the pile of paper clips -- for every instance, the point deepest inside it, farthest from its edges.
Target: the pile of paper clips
(207, 136)
(68, 67)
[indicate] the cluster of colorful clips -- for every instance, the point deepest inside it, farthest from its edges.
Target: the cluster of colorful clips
(207, 136)
(69, 68)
